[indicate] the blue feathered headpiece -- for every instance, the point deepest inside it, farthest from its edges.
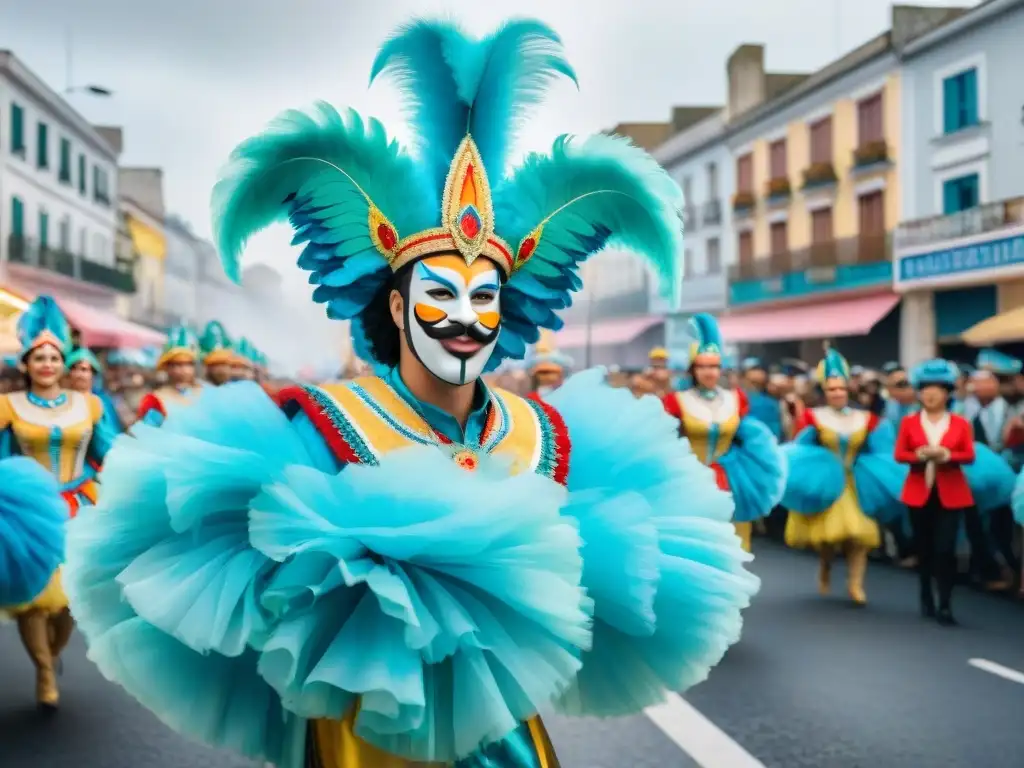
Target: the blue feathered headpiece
(938, 371)
(182, 345)
(753, 364)
(364, 207)
(707, 338)
(43, 323)
(84, 354)
(998, 362)
(215, 344)
(832, 366)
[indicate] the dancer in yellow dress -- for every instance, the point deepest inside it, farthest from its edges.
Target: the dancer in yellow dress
(63, 431)
(178, 361)
(842, 480)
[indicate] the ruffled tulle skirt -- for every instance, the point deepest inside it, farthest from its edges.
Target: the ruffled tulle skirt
(843, 523)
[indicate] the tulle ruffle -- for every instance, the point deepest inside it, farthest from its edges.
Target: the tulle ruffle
(661, 560)
(1018, 499)
(236, 591)
(990, 478)
(815, 478)
(32, 519)
(879, 482)
(756, 471)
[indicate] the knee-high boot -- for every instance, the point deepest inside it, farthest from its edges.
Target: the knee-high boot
(61, 628)
(745, 532)
(34, 629)
(825, 555)
(857, 565)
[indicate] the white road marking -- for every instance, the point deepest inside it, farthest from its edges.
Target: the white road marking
(698, 737)
(998, 670)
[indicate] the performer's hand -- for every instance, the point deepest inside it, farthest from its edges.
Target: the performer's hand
(941, 455)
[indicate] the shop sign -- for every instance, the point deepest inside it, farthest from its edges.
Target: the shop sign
(963, 263)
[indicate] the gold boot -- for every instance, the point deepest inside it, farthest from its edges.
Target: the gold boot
(744, 531)
(857, 565)
(34, 628)
(61, 628)
(824, 571)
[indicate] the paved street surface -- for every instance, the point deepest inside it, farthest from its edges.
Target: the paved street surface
(814, 683)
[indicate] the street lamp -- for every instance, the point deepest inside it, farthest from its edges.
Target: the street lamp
(92, 90)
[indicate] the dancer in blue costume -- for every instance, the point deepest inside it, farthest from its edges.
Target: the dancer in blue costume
(85, 374)
(217, 352)
(843, 480)
(51, 442)
(178, 361)
(408, 567)
(725, 435)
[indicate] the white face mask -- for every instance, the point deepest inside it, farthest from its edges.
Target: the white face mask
(452, 316)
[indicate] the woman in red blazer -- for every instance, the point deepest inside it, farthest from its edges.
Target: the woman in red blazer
(936, 444)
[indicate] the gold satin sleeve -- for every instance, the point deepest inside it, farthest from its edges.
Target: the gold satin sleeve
(6, 413)
(95, 409)
(335, 745)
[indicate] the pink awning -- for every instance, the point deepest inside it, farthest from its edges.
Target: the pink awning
(821, 320)
(105, 329)
(606, 332)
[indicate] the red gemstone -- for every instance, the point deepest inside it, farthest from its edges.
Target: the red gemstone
(387, 236)
(527, 248)
(469, 225)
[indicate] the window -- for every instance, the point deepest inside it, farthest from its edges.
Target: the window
(712, 181)
(872, 213)
(777, 159)
(44, 229)
(714, 256)
(960, 194)
(42, 146)
(687, 189)
(779, 236)
(745, 173)
(100, 192)
(960, 101)
(83, 183)
(746, 247)
(65, 161)
(17, 217)
(687, 263)
(83, 243)
(65, 234)
(869, 120)
(821, 141)
(17, 130)
(821, 225)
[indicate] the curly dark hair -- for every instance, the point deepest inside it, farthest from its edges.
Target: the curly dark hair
(381, 332)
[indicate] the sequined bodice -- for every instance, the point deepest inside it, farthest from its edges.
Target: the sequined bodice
(843, 433)
(709, 424)
(57, 438)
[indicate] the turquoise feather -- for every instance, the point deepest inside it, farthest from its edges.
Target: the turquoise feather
(454, 85)
(43, 315)
(707, 334)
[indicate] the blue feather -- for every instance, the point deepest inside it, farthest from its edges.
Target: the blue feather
(43, 315)
(706, 331)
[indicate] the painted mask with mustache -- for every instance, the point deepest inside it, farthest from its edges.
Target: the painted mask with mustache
(452, 316)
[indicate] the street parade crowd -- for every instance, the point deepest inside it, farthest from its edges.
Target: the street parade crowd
(407, 566)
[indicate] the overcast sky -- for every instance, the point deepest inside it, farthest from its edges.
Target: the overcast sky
(197, 76)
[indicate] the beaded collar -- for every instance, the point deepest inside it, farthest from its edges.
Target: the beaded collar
(42, 402)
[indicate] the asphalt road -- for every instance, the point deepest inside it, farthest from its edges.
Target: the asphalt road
(814, 683)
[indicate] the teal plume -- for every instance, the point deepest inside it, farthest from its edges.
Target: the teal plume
(706, 333)
(832, 366)
(454, 85)
(43, 320)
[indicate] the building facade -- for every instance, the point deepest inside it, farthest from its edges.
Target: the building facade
(141, 204)
(960, 256)
(181, 272)
(58, 196)
(701, 163)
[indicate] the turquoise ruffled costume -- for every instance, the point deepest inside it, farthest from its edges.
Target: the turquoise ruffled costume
(227, 572)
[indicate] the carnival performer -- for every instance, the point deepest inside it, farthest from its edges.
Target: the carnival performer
(85, 374)
(61, 431)
(547, 367)
(936, 445)
(216, 349)
(658, 357)
(407, 567)
(717, 421)
(843, 480)
(242, 365)
(178, 362)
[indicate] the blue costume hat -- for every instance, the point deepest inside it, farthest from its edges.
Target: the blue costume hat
(182, 346)
(707, 344)
(545, 358)
(891, 367)
(934, 372)
(999, 363)
(84, 354)
(364, 207)
(752, 364)
(215, 344)
(832, 366)
(43, 323)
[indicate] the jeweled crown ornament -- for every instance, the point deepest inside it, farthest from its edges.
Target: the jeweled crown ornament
(43, 323)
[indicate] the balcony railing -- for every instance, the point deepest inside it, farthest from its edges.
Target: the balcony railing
(21, 250)
(712, 213)
(819, 175)
(743, 202)
(777, 189)
(871, 153)
(984, 219)
(866, 249)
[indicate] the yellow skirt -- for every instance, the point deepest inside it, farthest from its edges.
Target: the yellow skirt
(51, 600)
(337, 746)
(842, 523)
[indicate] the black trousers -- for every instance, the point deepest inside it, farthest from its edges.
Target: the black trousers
(935, 535)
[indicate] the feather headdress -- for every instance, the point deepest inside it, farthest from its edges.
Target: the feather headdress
(215, 344)
(545, 357)
(43, 323)
(707, 344)
(182, 346)
(83, 354)
(832, 366)
(243, 353)
(364, 207)
(938, 372)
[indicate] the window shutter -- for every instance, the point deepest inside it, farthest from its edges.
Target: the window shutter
(970, 97)
(17, 217)
(950, 105)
